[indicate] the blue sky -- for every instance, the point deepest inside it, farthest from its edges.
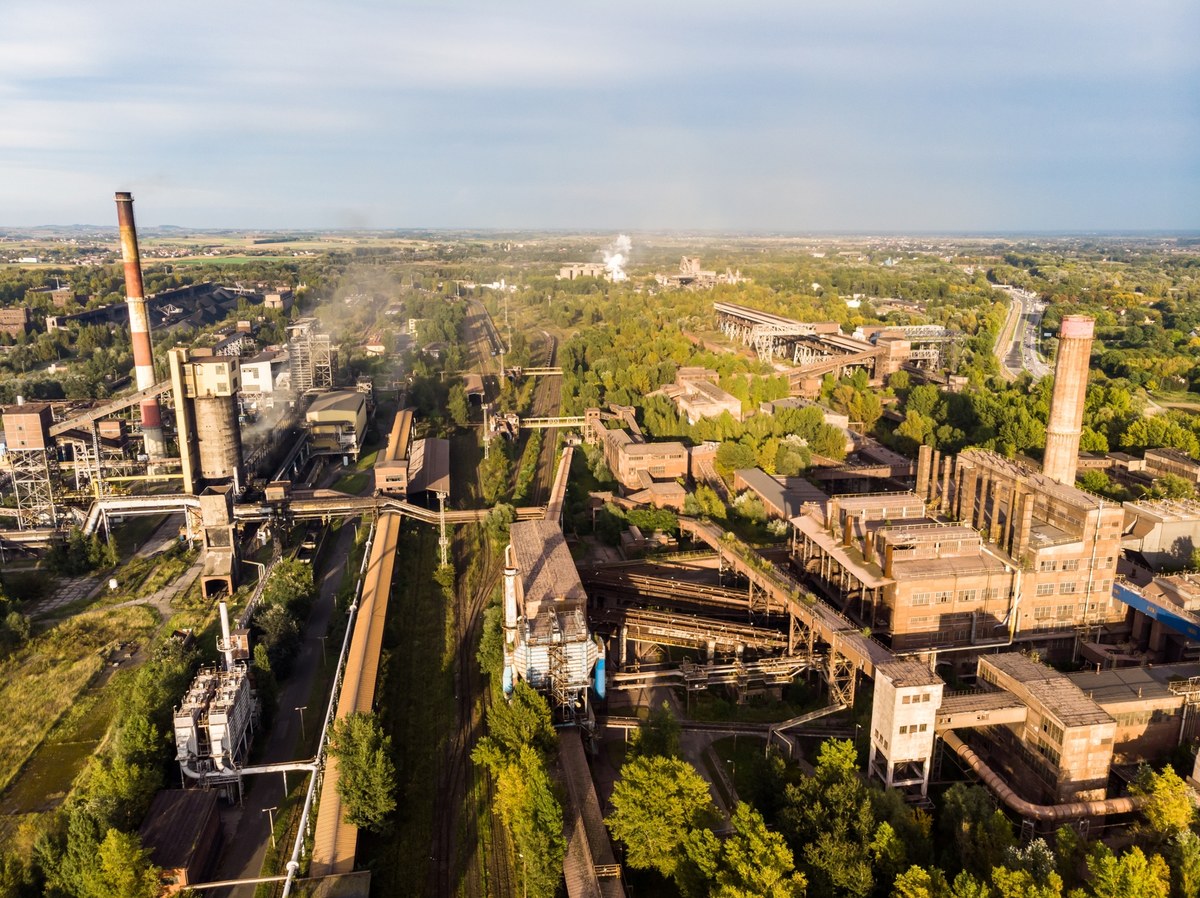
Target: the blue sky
(840, 116)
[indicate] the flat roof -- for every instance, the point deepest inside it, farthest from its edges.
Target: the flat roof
(338, 401)
(788, 496)
(1132, 684)
(654, 449)
(544, 563)
(430, 466)
(174, 824)
(1055, 691)
(1164, 510)
(905, 672)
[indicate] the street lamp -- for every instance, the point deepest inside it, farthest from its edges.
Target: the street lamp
(524, 875)
(301, 710)
(324, 660)
(270, 812)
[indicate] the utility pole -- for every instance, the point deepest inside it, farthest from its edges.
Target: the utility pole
(270, 812)
(443, 540)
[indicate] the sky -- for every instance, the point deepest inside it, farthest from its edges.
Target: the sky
(831, 116)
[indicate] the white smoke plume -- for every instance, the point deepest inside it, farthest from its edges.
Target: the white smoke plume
(616, 256)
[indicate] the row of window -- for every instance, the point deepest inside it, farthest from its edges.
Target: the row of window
(914, 728)
(1073, 564)
(945, 597)
(1069, 587)
(916, 699)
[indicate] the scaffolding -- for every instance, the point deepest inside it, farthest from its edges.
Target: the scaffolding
(310, 356)
(32, 480)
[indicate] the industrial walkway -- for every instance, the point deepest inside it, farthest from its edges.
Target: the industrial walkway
(589, 868)
(809, 620)
(334, 840)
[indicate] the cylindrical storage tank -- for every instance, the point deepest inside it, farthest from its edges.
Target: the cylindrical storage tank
(219, 438)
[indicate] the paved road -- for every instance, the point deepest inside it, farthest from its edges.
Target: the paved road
(1022, 354)
(246, 828)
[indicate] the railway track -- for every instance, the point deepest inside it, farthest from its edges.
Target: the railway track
(459, 865)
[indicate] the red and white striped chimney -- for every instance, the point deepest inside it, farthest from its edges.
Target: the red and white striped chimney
(139, 328)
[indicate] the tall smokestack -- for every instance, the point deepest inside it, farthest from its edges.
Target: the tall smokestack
(1066, 403)
(139, 328)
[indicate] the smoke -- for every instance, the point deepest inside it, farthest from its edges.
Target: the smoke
(616, 256)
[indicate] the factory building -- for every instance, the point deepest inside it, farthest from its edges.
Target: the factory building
(214, 725)
(15, 321)
(575, 270)
(205, 389)
(1162, 533)
(1160, 462)
(337, 423)
(182, 833)
(985, 552)
(261, 377)
(1063, 748)
(697, 396)
(635, 463)
(546, 638)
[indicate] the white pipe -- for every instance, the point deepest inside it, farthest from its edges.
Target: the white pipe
(226, 646)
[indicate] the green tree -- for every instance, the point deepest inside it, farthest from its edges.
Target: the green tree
(917, 882)
(291, 587)
(524, 720)
(1183, 854)
(1023, 884)
(657, 803)
(1131, 875)
(828, 817)
(755, 862)
(456, 405)
(975, 833)
(366, 772)
(1167, 807)
(658, 735)
(123, 869)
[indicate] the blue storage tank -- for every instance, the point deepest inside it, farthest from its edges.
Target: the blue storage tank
(599, 684)
(508, 680)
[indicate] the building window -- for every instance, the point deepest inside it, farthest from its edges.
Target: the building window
(1106, 562)
(1066, 611)
(944, 597)
(920, 598)
(991, 594)
(1070, 564)
(903, 730)
(1051, 565)
(968, 595)
(925, 696)
(1044, 613)
(1045, 589)
(1067, 587)
(923, 727)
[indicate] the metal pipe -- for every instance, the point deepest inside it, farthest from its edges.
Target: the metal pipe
(1028, 809)
(139, 328)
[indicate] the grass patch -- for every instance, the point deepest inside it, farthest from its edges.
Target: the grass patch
(352, 483)
(142, 577)
(135, 530)
(41, 681)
